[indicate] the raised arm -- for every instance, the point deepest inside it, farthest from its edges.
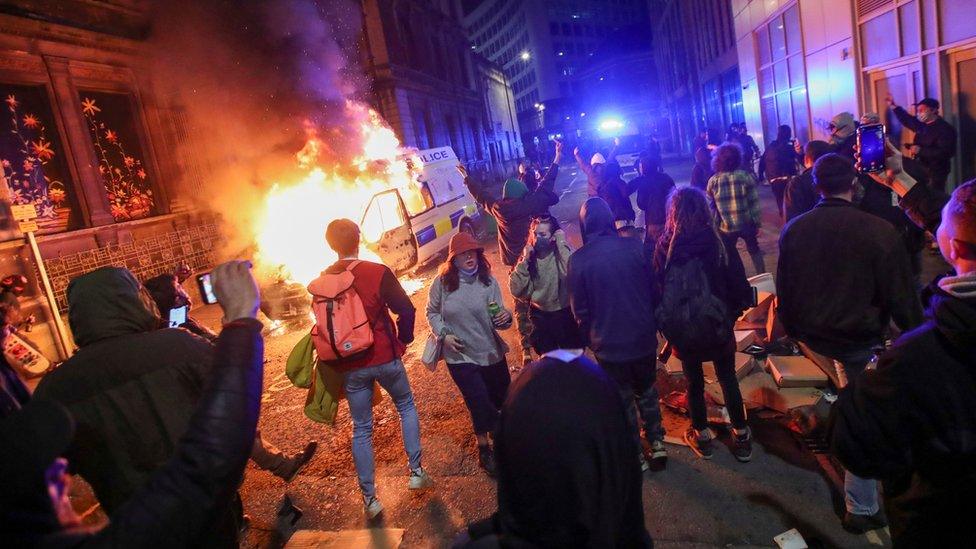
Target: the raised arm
(583, 164)
(476, 191)
(188, 495)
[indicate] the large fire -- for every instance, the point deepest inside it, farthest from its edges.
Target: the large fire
(289, 231)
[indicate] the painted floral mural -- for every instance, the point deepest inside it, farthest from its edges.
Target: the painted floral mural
(120, 158)
(33, 170)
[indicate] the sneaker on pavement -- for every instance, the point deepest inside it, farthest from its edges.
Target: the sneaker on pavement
(290, 469)
(860, 524)
(373, 508)
(659, 455)
(645, 466)
(486, 459)
(419, 479)
(700, 442)
(742, 445)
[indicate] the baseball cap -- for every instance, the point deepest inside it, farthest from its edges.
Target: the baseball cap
(929, 102)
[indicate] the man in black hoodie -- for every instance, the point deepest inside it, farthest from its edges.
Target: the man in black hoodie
(131, 388)
(910, 423)
(611, 293)
(514, 213)
(935, 139)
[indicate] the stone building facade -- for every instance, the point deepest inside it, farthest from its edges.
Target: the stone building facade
(87, 142)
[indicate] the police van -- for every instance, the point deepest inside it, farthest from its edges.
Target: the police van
(408, 229)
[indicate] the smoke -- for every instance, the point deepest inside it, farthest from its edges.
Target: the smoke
(255, 78)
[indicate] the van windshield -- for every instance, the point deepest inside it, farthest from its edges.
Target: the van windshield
(417, 201)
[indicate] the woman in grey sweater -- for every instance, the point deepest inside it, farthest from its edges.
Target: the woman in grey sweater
(540, 279)
(465, 308)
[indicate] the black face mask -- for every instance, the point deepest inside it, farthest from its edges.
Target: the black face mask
(543, 245)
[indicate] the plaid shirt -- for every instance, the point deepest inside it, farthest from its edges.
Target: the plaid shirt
(736, 199)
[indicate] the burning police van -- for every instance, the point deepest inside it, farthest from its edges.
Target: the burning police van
(408, 229)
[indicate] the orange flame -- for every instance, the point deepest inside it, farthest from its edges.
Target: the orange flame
(289, 231)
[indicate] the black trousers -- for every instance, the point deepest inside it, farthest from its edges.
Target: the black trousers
(553, 330)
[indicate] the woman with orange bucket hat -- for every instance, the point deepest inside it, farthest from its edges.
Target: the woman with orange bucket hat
(465, 309)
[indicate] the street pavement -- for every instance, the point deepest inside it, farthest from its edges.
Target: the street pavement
(693, 503)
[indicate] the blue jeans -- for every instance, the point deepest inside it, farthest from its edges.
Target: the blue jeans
(635, 381)
(860, 494)
(359, 391)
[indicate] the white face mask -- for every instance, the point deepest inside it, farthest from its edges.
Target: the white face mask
(926, 116)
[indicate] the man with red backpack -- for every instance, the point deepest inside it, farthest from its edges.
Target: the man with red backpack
(354, 333)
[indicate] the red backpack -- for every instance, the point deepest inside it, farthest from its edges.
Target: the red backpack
(342, 329)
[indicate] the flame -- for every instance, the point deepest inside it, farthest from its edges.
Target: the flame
(289, 231)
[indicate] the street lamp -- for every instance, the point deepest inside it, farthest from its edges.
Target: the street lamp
(524, 56)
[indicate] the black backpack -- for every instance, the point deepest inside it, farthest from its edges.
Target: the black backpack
(690, 316)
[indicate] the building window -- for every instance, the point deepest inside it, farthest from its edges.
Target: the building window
(33, 160)
(121, 163)
(782, 82)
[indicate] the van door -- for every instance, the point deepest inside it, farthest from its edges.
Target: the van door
(386, 231)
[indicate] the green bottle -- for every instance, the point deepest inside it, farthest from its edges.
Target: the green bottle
(494, 309)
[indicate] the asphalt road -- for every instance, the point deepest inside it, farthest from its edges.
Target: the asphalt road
(693, 503)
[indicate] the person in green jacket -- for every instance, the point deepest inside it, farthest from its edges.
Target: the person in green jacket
(540, 279)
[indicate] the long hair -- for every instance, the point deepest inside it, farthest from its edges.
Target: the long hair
(689, 212)
(727, 158)
(553, 227)
(451, 276)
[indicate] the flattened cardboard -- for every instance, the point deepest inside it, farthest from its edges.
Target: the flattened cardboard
(795, 371)
(759, 312)
(825, 364)
(745, 338)
(764, 282)
(744, 365)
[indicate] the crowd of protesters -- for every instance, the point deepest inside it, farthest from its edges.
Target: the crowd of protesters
(161, 421)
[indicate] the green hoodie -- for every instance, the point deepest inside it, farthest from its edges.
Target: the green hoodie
(514, 189)
(106, 303)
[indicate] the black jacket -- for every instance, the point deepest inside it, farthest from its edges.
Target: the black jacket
(779, 160)
(843, 274)
(514, 215)
(727, 280)
(131, 388)
(614, 190)
(568, 474)
(183, 499)
(800, 195)
(923, 205)
(910, 423)
(652, 195)
(936, 142)
(610, 289)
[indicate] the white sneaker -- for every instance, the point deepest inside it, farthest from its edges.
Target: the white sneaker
(419, 479)
(373, 508)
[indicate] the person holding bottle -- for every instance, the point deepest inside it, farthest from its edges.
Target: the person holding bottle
(465, 309)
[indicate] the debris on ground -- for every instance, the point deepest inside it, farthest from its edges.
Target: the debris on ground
(374, 538)
(791, 539)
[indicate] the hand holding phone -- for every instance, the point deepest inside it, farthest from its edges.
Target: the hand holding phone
(177, 316)
(871, 148)
(205, 284)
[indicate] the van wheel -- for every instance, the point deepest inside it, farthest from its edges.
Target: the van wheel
(467, 227)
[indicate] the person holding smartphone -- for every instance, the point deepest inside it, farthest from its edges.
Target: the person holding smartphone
(465, 309)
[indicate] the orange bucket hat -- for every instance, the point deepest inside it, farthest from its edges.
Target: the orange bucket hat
(462, 242)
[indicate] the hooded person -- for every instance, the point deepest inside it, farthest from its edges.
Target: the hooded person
(514, 213)
(594, 168)
(613, 189)
(843, 134)
(178, 504)
(611, 293)
(568, 475)
(702, 170)
(131, 387)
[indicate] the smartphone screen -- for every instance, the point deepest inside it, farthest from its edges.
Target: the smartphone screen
(177, 316)
(870, 139)
(206, 289)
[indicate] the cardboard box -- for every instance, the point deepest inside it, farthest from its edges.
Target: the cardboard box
(759, 312)
(774, 327)
(751, 386)
(745, 338)
(764, 282)
(825, 364)
(795, 371)
(744, 365)
(784, 399)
